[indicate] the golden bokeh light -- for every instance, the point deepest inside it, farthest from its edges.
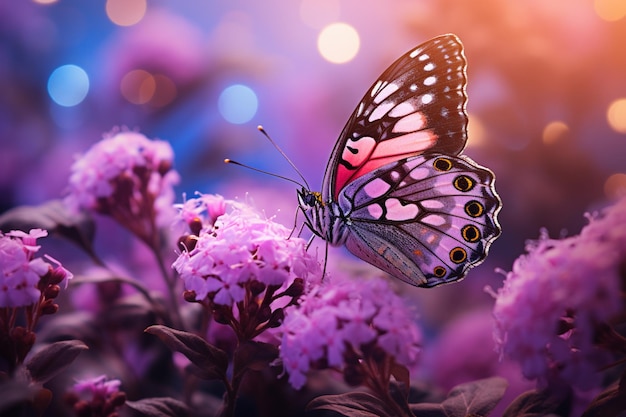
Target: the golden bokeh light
(610, 10)
(138, 86)
(338, 43)
(554, 131)
(126, 12)
(616, 115)
(476, 132)
(615, 186)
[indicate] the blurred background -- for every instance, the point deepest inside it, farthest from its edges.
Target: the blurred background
(547, 93)
(547, 102)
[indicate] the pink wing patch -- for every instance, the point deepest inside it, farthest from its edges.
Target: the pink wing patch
(364, 155)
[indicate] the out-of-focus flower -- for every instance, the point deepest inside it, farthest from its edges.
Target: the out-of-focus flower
(553, 305)
(25, 278)
(96, 397)
(348, 325)
(241, 264)
(128, 177)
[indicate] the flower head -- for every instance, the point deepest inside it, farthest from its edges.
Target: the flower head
(240, 259)
(553, 303)
(97, 396)
(24, 278)
(344, 323)
(128, 177)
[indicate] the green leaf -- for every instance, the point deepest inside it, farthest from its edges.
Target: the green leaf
(211, 362)
(54, 358)
(159, 407)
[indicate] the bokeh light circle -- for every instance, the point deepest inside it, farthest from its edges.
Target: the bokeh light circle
(126, 12)
(610, 10)
(138, 86)
(616, 115)
(615, 186)
(238, 104)
(68, 85)
(338, 43)
(554, 131)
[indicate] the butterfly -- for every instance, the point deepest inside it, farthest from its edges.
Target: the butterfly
(396, 192)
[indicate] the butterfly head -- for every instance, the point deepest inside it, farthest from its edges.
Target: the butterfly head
(309, 199)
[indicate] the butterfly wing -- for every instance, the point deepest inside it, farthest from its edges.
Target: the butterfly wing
(426, 220)
(416, 106)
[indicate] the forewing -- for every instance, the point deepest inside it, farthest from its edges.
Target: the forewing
(416, 106)
(425, 220)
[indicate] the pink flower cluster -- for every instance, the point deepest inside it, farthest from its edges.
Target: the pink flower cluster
(127, 176)
(234, 255)
(549, 311)
(23, 276)
(343, 321)
(97, 396)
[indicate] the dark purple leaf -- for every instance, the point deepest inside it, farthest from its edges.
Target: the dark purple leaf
(475, 398)
(210, 361)
(255, 355)
(54, 358)
(538, 404)
(354, 404)
(610, 403)
(54, 217)
(159, 407)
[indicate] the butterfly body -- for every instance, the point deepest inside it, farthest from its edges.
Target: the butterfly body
(396, 192)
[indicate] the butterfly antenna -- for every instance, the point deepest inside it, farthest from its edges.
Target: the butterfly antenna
(230, 161)
(284, 155)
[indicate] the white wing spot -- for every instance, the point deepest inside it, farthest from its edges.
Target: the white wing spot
(394, 175)
(430, 80)
(411, 123)
(432, 204)
(376, 87)
(423, 57)
(376, 188)
(388, 90)
(413, 88)
(427, 98)
(414, 53)
(444, 112)
(380, 111)
(359, 111)
(396, 211)
(429, 67)
(433, 220)
(402, 109)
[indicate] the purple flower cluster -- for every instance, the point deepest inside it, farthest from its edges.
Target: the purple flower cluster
(241, 263)
(97, 396)
(128, 177)
(24, 278)
(553, 305)
(348, 325)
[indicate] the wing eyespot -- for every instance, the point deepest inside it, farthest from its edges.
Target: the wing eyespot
(470, 233)
(458, 255)
(439, 271)
(474, 209)
(442, 164)
(464, 183)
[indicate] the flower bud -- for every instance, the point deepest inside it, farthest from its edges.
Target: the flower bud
(264, 313)
(256, 287)
(52, 291)
(296, 289)
(190, 296)
(277, 318)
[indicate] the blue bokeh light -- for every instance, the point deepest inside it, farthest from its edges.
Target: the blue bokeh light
(68, 85)
(238, 104)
